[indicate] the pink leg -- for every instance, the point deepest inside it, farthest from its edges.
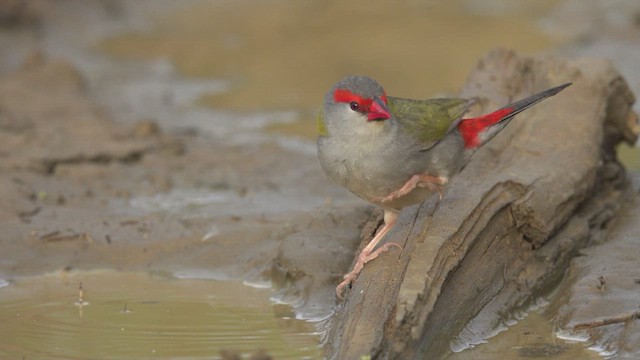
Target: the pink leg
(367, 254)
(419, 180)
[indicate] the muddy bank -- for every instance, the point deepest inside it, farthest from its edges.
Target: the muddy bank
(80, 190)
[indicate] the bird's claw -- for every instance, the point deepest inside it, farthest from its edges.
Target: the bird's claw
(363, 258)
(432, 187)
(348, 279)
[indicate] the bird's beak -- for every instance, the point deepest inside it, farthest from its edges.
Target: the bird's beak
(378, 110)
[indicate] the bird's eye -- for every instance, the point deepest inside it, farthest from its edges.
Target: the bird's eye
(354, 106)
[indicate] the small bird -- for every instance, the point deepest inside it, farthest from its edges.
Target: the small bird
(396, 152)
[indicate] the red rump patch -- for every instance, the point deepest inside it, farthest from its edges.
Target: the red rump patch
(472, 127)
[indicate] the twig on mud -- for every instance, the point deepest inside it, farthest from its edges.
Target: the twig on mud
(607, 321)
(56, 236)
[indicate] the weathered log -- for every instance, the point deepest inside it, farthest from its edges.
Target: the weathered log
(509, 223)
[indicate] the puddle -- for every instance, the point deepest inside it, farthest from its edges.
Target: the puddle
(141, 316)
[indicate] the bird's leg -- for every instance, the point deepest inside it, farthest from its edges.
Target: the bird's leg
(367, 254)
(419, 180)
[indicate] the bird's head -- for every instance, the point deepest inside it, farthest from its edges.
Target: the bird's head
(354, 104)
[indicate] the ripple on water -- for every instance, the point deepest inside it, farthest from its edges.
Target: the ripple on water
(139, 316)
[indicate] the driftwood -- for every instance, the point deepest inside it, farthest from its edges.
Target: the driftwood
(509, 223)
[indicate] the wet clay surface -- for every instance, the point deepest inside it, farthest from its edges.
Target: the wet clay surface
(82, 191)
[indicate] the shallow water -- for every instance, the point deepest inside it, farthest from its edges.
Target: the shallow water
(126, 315)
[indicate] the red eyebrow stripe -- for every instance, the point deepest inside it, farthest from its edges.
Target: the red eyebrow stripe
(346, 96)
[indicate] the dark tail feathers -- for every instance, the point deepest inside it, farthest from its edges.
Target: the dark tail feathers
(475, 131)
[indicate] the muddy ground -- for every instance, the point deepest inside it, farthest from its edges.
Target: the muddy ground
(80, 190)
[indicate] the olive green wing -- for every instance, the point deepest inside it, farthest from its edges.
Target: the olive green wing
(428, 120)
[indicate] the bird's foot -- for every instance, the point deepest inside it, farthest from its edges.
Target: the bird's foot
(434, 187)
(364, 257)
(432, 183)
